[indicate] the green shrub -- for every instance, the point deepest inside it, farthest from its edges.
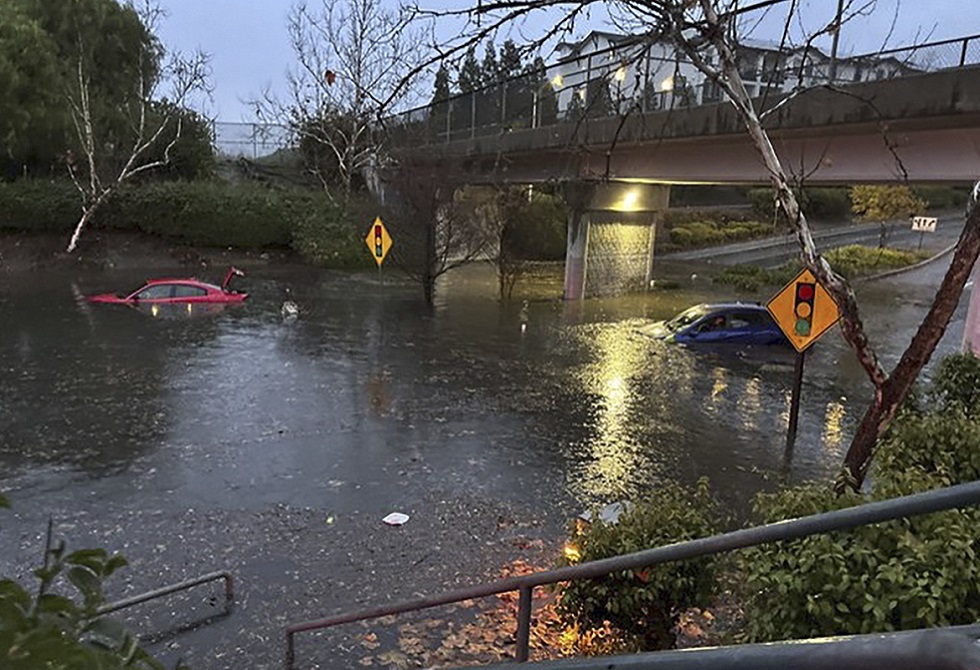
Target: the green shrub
(817, 203)
(696, 234)
(942, 197)
(712, 215)
(753, 277)
(201, 213)
(856, 261)
(851, 261)
(957, 385)
(826, 203)
(897, 575)
(746, 230)
(644, 605)
(882, 203)
(539, 229)
(206, 214)
(51, 626)
(39, 206)
(707, 233)
(333, 236)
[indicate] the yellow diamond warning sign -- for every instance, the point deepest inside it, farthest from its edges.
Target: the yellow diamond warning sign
(378, 241)
(804, 310)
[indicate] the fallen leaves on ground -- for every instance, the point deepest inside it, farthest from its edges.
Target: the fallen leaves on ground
(484, 631)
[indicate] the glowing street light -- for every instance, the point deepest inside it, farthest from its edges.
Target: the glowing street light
(630, 200)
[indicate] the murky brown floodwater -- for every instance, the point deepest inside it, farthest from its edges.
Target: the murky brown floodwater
(367, 402)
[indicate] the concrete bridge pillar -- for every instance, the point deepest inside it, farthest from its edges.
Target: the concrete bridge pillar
(611, 234)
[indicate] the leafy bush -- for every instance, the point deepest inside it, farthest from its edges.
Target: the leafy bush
(46, 629)
(332, 236)
(881, 203)
(856, 260)
(33, 205)
(942, 197)
(897, 575)
(713, 215)
(817, 203)
(644, 604)
(753, 277)
(538, 233)
(826, 203)
(851, 262)
(707, 233)
(957, 384)
(201, 213)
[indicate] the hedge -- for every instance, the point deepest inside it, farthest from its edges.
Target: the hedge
(708, 233)
(200, 213)
(914, 573)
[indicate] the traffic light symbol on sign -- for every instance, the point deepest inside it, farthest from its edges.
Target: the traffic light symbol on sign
(803, 308)
(378, 245)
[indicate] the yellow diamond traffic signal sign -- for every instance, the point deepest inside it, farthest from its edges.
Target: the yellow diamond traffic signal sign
(804, 310)
(378, 241)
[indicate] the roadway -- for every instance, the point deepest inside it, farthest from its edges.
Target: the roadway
(774, 251)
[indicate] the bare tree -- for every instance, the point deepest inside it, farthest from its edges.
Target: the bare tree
(706, 31)
(351, 59)
(498, 212)
(433, 224)
(150, 120)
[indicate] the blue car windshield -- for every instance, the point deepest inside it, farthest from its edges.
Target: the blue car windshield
(685, 318)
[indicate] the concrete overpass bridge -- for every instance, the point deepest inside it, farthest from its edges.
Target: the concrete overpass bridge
(617, 172)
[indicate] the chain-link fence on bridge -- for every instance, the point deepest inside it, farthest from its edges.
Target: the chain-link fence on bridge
(633, 76)
(250, 140)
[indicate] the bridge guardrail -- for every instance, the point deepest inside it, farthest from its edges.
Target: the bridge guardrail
(629, 78)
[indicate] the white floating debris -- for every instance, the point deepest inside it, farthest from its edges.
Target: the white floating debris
(609, 513)
(395, 519)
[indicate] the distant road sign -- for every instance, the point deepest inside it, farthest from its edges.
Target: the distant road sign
(378, 241)
(804, 310)
(924, 224)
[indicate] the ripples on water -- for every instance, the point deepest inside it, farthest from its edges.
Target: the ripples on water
(367, 395)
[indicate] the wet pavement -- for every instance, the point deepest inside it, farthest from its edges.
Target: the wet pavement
(239, 439)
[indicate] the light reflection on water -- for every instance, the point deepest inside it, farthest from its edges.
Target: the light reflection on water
(368, 397)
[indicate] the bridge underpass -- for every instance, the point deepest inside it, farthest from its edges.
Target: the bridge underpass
(617, 172)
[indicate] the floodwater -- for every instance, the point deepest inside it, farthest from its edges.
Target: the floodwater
(367, 401)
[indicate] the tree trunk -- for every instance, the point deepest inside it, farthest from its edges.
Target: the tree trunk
(87, 213)
(431, 262)
(892, 393)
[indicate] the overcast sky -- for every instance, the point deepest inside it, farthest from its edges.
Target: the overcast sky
(250, 48)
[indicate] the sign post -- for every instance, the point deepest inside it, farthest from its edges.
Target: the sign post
(924, 224)
(803, 310)
(378, 242)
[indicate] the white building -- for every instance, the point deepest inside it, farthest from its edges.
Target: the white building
(607, 73)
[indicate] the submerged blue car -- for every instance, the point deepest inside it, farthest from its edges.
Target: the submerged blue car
(725, 323)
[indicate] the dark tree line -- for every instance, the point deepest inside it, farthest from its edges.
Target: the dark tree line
(508, 89)
(43, 46)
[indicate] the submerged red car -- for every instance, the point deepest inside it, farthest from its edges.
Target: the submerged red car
(173, 290)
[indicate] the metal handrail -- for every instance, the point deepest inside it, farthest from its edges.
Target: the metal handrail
(605, 70)
(174, 588)
(962, 495)
(951, 648)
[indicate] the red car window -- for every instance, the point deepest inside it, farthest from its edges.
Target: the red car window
(186, 291)
(155, 292)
